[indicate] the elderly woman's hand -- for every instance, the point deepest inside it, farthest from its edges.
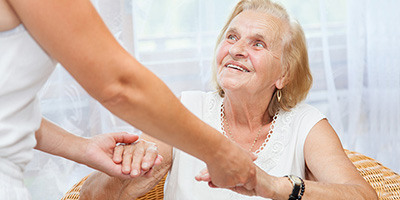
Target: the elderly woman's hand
(137, 158)
(266, 184)
(204, 176)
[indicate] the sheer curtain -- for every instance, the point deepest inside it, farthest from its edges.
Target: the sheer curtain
(373, 104)
(353, 51)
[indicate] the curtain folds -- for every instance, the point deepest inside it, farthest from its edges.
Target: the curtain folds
(354, 57)
(374, 80)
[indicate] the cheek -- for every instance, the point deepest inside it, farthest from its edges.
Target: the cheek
(222, 52)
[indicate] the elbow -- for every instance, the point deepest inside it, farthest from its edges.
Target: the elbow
(369, 193)
(119, 94)
(113, 95)
(374, 195)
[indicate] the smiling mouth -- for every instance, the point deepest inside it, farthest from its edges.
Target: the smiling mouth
(237, 68)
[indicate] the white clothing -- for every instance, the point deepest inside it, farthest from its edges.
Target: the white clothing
(282, 154)
(24, 68)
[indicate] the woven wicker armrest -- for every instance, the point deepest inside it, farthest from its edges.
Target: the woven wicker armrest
(385, 181)
(157, 193)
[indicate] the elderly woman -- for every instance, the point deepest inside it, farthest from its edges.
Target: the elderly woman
(262, 75)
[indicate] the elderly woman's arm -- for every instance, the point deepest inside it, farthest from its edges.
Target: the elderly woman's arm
(101, 186)
(330, 171)
(330, 174)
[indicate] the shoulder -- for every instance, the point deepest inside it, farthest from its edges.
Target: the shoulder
(302, 117)
(304, 110)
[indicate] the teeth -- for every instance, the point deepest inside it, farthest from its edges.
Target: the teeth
(237, 67)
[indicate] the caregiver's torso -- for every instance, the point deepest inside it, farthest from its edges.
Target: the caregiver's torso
(24, 68)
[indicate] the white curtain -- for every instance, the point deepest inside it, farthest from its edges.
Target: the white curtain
(353, 51)
(373, 97)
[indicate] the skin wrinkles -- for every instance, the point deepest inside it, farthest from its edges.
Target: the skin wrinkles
(251, 42)
(248, 28)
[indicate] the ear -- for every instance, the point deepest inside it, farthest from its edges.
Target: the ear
(280, 83)
(283, 80)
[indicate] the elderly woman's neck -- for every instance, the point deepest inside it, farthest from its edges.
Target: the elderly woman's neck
(247, 110)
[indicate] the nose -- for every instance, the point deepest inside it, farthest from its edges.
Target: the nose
(239, 49)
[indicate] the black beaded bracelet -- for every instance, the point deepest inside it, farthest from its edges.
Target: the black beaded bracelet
(298, 187)
(302, 188)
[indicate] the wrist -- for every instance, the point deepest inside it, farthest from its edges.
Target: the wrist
(77, 148)
(298, 187)
(283, 188)
(277, 188)
(222, 150)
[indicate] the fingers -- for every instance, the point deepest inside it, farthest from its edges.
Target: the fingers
(253, 156)
(127, 157)
(150, 157)
(124, 137)
(136, 161)
(203, 176)
(210, 184)
(159, 160)
(117, 156)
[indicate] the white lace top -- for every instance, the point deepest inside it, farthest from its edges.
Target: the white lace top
(282, 155)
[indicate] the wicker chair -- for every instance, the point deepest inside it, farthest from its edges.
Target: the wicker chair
(385, 181)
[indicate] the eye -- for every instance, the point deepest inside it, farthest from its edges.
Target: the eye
(232, 37)
(260, 44)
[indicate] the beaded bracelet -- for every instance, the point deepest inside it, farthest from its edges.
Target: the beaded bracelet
(298, 187)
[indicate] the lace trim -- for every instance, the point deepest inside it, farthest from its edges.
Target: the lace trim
(268, 155)
(271, 130)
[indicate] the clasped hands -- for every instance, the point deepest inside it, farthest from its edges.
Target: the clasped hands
(139, 158)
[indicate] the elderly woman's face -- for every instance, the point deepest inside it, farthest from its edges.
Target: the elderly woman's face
(248, 57)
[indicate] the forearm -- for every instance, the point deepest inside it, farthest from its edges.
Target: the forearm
(319, 190)
(54, 140)
(73, 33)
(111, 75)
(100, 186)
(161, 115)
(280, 188)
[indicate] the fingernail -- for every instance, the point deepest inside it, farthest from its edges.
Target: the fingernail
(135, 172)
(145, 165)
(126, 169)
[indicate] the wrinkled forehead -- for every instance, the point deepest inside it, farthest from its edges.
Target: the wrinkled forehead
(260, 24)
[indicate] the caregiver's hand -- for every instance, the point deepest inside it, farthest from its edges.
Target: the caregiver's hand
(233, 168)
(98, 152)
(137, 159)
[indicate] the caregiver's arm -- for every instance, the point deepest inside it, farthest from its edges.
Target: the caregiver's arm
(73, 33)
(96, 152)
